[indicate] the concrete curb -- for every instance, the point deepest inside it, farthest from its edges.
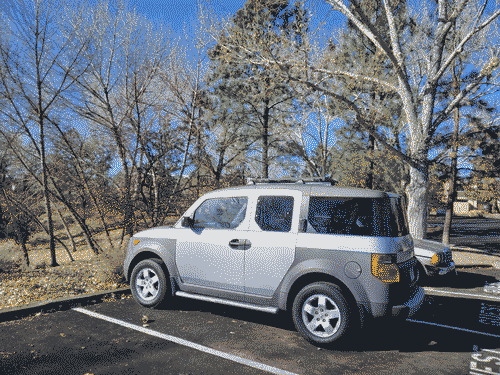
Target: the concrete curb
(59, 304)
(471, 250)
(491, 216)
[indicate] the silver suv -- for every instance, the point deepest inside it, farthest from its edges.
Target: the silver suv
(335, 257)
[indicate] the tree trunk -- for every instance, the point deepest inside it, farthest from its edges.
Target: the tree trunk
(73, 244)
(371, 148)
(86, 231)
(220, 167)
(453, 178)
(265, 140)
(48, 209)
(417, 202)
(25, 254)
(453, 181)
(156, 202)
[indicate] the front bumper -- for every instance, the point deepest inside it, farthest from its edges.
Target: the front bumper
(411, 306)
(401, 311)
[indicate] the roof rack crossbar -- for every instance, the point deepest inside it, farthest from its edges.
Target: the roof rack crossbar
(253, 181)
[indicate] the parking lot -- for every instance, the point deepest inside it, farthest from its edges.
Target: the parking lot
(203, 338)
(477, 233)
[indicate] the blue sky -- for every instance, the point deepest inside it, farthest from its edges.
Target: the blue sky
(184, 12)
(178, 12)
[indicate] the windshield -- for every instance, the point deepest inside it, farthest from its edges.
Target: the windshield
(381, 217)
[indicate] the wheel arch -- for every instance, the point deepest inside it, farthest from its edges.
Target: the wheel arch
(147, 254)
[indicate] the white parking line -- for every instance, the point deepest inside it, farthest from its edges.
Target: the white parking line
(177, 340)
(452, 327)
(491, 350)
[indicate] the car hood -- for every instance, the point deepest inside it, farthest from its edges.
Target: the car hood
(158, 232)
(427, 248)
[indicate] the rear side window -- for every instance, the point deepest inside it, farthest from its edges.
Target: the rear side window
(381, 217)
(219, 213)
(274, 213)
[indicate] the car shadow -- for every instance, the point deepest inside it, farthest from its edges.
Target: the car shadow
(389, 335)
(421, 337)
(280, 320)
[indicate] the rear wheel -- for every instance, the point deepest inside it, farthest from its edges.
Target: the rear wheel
(148, 283)
(320, 313)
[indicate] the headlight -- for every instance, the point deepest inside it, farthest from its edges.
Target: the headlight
(384, 268)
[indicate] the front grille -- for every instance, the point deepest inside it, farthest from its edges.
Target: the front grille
(447, 257)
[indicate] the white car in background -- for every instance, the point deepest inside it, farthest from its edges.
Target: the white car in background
(435, 258)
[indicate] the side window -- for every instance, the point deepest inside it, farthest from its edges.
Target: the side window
(350, 216)
(274, 213)
(221, 213)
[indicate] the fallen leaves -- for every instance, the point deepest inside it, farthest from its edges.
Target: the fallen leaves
(70, 279)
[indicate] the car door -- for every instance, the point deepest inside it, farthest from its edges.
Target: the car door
(271, 241)
(211, 253)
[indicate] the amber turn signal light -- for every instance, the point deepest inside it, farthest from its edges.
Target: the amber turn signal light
(384, 268)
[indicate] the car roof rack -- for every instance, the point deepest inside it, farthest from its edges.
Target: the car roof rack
(308, 180)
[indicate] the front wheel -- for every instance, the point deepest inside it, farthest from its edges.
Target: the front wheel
(320, 313)
(148, 283)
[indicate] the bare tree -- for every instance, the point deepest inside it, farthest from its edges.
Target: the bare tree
(311, 141)
(125, 55)
(39, 65)
(181, 87)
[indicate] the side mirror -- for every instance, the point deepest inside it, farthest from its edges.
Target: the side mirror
(187, 222)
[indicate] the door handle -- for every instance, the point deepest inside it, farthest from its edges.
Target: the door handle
(237, 244)
(240, 244)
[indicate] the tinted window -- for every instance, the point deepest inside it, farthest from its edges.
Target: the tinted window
(383, 217)
(274, 213)
(400, 214)
(220, 213)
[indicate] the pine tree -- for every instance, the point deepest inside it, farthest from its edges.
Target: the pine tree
(251, 91)
(360, 160)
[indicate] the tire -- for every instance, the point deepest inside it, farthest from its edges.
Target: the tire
(148, 283)
(325, 301)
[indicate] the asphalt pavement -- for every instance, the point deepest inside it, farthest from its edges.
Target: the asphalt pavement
(474, 232)
(194, 337)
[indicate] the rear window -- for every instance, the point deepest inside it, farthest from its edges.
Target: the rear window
(380, 217)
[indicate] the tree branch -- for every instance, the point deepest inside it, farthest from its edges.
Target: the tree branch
(460, 46)
(363, 122)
